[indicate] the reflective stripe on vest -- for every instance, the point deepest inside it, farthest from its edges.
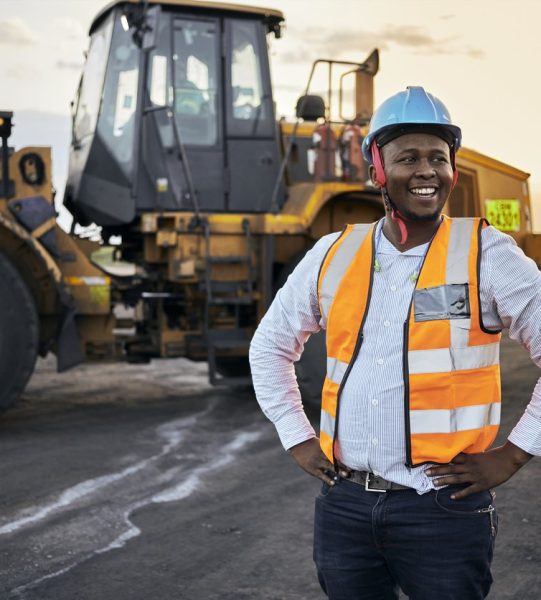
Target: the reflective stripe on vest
(355, 243)
(451, 378)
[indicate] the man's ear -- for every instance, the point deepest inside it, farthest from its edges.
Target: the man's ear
(372, 175)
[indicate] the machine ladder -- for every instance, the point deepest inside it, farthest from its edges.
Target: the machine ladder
(233, 296)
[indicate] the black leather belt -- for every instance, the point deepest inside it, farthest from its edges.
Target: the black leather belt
(374, 483)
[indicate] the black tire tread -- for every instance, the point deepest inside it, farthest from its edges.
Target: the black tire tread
(19, 333)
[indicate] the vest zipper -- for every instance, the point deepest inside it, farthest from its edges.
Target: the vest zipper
(358, 344)
(405, 375)
(405, 366)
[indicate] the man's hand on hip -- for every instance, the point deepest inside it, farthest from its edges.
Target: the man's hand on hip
(309, 456)
(482, 471)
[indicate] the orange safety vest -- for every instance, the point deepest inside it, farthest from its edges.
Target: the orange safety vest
(451, 362)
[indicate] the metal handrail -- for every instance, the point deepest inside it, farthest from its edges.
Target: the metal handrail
(283, 165)
(192, 194)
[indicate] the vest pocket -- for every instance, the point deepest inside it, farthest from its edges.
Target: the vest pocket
(442, 302)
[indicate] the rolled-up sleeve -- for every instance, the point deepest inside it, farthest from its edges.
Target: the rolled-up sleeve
(513, 298)
(278, 343)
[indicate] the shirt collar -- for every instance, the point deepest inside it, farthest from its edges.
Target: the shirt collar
(386, 247)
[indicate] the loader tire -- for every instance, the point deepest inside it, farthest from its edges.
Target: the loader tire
(311, 367)
(19, 334)
(233, 366)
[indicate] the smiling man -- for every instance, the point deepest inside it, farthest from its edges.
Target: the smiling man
(413, 307)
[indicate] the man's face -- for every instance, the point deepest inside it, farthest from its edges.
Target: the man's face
(419, 175)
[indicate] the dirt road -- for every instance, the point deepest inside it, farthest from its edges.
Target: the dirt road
(126, 482)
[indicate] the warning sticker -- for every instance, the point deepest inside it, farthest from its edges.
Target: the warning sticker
(503, 214)
(99, 294)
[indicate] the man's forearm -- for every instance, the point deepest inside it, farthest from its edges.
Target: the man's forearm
(277, 392)
(526, 434)
(515, 456)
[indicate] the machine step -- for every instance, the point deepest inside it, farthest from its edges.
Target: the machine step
(226, 340)
(231, 300)
(218, 260)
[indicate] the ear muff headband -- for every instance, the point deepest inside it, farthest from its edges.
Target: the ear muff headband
(382, 180)
(455, 170)
(378, 164)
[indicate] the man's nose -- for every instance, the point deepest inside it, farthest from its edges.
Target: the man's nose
(425, 169)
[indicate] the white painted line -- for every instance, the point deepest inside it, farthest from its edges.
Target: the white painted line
(226, 455)
(172, 433)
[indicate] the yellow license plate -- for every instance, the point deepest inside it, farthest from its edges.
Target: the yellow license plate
(503, 214)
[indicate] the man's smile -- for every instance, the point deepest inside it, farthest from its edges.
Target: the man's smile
(424, 192)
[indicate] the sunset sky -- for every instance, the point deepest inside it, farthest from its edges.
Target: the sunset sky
(479, 56)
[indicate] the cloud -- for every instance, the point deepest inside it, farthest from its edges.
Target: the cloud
(69, 28)
(16, 31)
(327, 45)
(474, 53)
(20, 72)
(411, 36)
(69, 64)
(414, 37)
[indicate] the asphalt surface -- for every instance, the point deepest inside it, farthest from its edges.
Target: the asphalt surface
(124, 482)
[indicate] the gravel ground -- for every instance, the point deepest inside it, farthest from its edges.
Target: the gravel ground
(125, 482)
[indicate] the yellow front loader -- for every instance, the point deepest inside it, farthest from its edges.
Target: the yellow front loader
(203, 200)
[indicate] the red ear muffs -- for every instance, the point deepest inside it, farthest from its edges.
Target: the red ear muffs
(381, 180)
(455, 171)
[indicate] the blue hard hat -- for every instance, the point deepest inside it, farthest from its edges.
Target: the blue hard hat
(411, 111)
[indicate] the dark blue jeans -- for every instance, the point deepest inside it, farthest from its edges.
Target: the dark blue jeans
(368, 544)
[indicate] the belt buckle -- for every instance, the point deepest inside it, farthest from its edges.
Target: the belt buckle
(367, 483)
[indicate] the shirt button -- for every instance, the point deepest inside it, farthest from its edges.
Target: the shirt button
(380, 361)
(393, 288)
(386, 323)
(375, 401)
(375, 441)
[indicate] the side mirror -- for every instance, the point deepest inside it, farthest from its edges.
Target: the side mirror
(145, 22)
(310, 108)
(364, 87)
(150, 30)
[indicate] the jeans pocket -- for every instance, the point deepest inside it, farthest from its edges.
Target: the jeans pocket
(474, 505)
(480, 504)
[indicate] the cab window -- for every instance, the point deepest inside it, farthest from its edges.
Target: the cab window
(249, 102)
(89, 93)
(195, 81)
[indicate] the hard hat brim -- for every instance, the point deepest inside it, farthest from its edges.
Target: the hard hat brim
(448, 133)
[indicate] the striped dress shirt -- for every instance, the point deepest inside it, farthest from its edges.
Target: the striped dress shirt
(371, 430)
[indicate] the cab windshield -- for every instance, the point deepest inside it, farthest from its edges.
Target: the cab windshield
(116, 122)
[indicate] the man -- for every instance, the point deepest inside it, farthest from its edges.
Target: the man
(413, 307)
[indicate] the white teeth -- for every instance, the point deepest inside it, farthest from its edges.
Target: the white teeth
(426, 191)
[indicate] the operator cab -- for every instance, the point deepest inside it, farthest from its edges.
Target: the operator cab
(174, 111)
